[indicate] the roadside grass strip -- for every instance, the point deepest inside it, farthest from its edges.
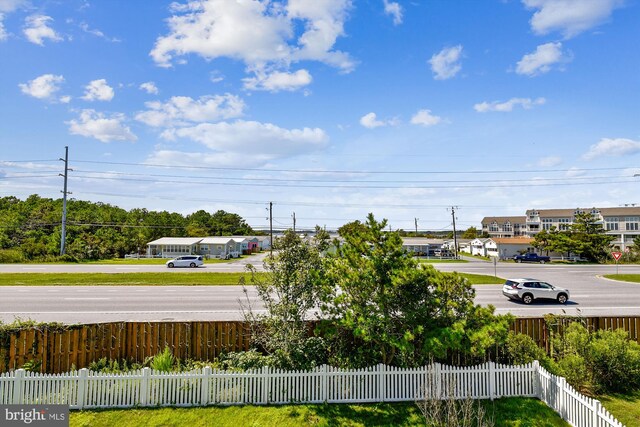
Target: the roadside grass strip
(482, 279)
(515, 412)
(634, 278)
(122, 279)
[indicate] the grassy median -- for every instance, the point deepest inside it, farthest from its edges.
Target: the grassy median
(156, 279)
(635, 278)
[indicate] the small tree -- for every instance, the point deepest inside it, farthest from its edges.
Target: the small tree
(387, 308)
(589, 237)
(289, 291)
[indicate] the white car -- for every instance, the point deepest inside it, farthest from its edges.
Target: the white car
(192, 261)
(527, 290)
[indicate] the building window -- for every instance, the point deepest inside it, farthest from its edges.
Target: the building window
(631, 223)
(611, 223)
(507, 226)
(563, 223)
(493, 227)
(547, 223)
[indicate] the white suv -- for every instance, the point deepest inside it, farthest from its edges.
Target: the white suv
(527, 290)
(186, 261)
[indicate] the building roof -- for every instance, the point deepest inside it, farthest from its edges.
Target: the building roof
(503, 219)
(421, 241)
(218, 240)
(568, 213)
(176, 241)
(512, 240)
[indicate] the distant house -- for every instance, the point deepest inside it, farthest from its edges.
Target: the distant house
(218, 247)
(464, 245)
(507, 247)
(420, 246)
(170, 247)
(505, 226)
(478, 246)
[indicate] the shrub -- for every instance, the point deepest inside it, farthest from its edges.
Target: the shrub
(245, 360)
(615, 361)
(521, 349)
(164, 361)
(11, 256)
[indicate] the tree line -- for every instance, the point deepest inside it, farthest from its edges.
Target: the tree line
(31, 229)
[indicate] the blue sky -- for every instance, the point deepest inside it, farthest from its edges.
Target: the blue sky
(328, 108)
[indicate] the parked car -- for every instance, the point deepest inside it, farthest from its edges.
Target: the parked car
(186, 261)
(527, 290)
(531, 257)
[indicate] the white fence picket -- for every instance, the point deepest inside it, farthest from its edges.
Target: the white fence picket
(84, 389)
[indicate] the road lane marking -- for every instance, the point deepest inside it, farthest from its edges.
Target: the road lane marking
(85, 298)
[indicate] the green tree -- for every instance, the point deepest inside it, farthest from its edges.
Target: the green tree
(289, 292)
(386, 308)
(589, 237)
(470, 233)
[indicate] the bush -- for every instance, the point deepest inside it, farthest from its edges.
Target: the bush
(245, 360)
(521, 349)
(11, 256)
(164, 361)
(615, 361)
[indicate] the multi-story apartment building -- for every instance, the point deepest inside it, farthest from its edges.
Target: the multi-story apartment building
(621, 222)
(505, 226)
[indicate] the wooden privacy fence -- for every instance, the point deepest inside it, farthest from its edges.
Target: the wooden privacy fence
(83, 389)
(57, 350)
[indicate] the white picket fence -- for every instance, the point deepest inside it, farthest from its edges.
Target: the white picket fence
(84, 389)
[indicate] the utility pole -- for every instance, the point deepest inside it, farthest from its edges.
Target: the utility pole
(294, 222)
(271, 228)
(415, 220)
(455, 238)
(64, 199)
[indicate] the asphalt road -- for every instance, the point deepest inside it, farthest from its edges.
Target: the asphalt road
(591, 295)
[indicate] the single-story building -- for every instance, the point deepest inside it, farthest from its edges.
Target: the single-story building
(421, 246)
(170, 247)
(218, 247)
(508, 247)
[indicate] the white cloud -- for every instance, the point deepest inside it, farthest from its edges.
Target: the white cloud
(262, 34)
(571, 17)
(278, 81)
(96, 125)
(425, 118)
(549, 161)
(542, 59)
(216, 76)
(65, 99)
(3, 32)
(250, 138)
(149, 87)
(507, 106)
(10, 5)
(574, 171)
(183, 110)
(94, 31)
(370, 121)
(98, 90)
(445, 64)
(37, 29)
(395, 10)
(43, 87)
(612, 147)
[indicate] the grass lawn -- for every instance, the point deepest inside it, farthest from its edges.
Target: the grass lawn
(482, 279)
(624, 277)
(511, 412)
(121, 279)
(625, 407)
(441, 261)
(146, 261)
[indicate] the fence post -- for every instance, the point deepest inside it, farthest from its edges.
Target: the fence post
(144, 387)
(204, 389)
(266, 385)
(536, 379)
(382, 389)
(596, 412)
(18, 382)
(438, 381)
(82, 387)
(325, 383)
(492, 380)
(561, 395)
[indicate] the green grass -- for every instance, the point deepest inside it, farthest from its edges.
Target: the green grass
(121, 279)
(511, 412)
(626, 408)
(482, 279)
(443, 261)
(624, 277)
(145, 261)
